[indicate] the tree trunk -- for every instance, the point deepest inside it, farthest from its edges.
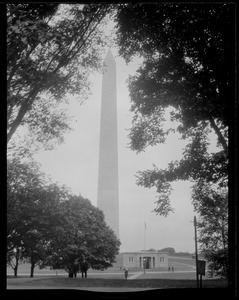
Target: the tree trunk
(70, 274)
(221, 139)
(16, 267)
(22, 112)
(32, 264)
(15, 270)
(32, 269)
(17, 260)
(223, 235)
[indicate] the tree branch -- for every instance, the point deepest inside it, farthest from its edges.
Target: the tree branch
(221, 138)
(23, 110)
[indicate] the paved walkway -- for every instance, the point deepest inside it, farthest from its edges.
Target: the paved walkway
(136, 275)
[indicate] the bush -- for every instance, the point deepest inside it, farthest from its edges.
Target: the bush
(218, 263)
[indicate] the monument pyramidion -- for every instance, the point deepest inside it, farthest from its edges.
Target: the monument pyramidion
(108, 195)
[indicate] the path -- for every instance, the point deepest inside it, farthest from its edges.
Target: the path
(136, 275)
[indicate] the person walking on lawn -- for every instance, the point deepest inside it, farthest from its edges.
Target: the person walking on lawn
(84, 268)
(75, 268)
(126, 272)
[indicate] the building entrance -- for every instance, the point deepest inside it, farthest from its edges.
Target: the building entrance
(147, 261)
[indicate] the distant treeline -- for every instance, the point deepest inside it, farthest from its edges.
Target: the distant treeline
(171, 251)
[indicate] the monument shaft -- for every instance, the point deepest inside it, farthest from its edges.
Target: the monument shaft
(108, 197)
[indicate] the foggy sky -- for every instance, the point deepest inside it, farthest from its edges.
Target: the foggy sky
(75, 164)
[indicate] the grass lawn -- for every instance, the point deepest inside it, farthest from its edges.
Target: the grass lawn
(62, 282)
(180, 283)
(102, 288)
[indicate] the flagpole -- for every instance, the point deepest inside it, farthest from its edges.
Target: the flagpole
(144, 235)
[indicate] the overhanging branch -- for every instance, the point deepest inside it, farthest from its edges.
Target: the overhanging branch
(221, 138)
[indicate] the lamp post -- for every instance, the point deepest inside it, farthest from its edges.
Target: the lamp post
(144, 263)
(196, 250)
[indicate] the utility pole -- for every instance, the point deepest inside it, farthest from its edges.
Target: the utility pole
(145, 235)
(196, 250)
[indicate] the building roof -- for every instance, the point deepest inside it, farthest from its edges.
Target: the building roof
(144, 252)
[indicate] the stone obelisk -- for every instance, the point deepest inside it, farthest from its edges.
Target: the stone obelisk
(108, 196)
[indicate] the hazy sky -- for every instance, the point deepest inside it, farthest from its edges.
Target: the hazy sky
(75, 164)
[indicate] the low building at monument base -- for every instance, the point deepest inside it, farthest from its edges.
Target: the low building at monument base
(143, 259)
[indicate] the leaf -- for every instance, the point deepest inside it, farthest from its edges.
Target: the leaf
(24, 40)
(15, 29)
(42, 40)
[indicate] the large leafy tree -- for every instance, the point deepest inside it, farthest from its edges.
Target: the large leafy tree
(21, 181)
(83, 235)
(188, 69)
(211, 203)
(48, 226)
(41, 220)
(51, 50)
(32, 213)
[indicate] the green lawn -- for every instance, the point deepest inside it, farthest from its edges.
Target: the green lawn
(180, 264)
(183, 277)
(103, 282)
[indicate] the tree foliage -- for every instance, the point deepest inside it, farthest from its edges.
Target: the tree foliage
(32, 212)
(211, 203)
(170, 250)
(219, 262)
(48, 226)
(188, 69)
(84, 235)
(51, 50)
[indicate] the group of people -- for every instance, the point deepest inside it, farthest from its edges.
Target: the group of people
(83, 267)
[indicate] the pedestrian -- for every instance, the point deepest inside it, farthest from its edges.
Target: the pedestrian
(84, 267)
(126, 272)
(169, 269)
(75, 268)
(70, 271)
(172, 269)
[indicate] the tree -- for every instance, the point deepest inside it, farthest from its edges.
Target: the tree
(51, 50)
(170, 250)
(211, 202)
(82, 235)
(13, 259)
(219, 262)
(21, 180)
(187, 69)
(43, 219)
(48, 226)
(32, 213)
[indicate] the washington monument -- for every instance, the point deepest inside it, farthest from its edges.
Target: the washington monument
(108, 196)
